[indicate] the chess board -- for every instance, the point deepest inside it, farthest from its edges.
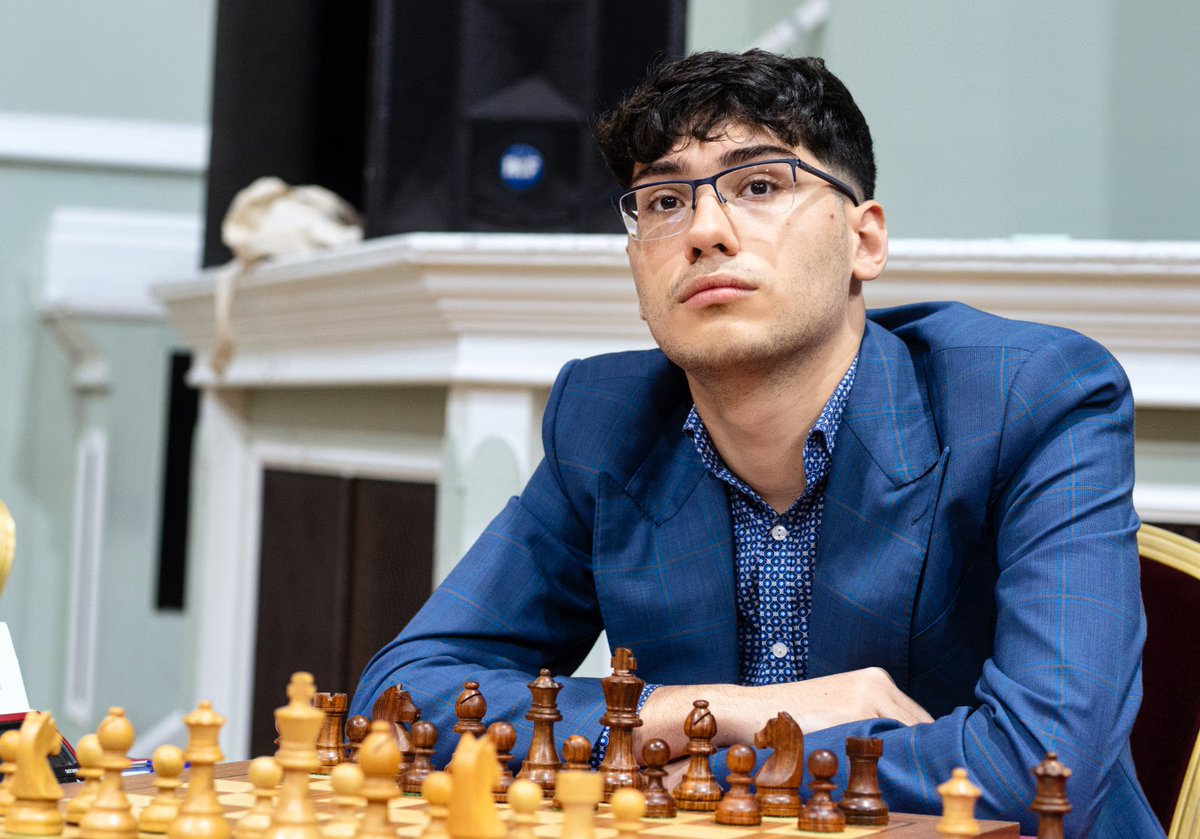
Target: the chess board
(408, 814)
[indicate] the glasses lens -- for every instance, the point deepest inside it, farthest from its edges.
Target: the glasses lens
(765, 189)
(657, 210)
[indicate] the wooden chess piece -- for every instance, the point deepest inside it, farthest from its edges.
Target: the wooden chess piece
(436, 789)
(577, 756)
(473, 813)
(659, 803)
(8, 754)
(424, 738)
(36, 793)
(396, 706)
(739, 806)
(346, 780)
(698, 791)
(862, 802)
(628, 807)
(958, 806)
(579, 793)
(111, 814)
(621, 693)
(299, 724)
(542, 764)
(378, 758)
(330, 751)
(356, 729)
(820, 814)
(201, 815)
(264, 774)
(470, 708)
(504, 737)
(1050, 802)
(524, 797)
(157, 816)
(88, 753)
(778, 781)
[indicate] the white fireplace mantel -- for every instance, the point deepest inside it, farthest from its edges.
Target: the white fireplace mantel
(510, 309)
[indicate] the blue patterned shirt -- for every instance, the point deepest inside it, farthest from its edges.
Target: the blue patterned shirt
(773, 556)
(774, 553)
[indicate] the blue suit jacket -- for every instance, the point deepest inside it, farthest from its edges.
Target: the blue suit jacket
(978, 543)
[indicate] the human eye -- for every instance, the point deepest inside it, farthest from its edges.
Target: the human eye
(662, 199)
(757, 183)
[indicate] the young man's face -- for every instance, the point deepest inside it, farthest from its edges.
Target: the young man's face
(732, 289)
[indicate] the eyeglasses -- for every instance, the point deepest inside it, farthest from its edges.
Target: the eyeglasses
(755, 190)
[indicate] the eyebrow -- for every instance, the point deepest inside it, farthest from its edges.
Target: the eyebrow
(733, 157)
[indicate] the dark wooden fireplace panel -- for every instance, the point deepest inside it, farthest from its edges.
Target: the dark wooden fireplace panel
(344, 564)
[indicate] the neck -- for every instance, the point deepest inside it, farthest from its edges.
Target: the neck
(759, 419)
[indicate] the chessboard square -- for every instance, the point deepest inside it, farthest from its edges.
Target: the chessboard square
(230, 785)
(699, 831)
(551, 831)
(236, 799)
(849, 833)
(401, 802)
(401, 816)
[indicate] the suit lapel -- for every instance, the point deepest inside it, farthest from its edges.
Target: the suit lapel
(879, 504)
(663, 565)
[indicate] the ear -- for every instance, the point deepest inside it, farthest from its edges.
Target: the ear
(869, 246)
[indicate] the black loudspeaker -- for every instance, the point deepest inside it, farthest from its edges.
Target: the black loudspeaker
(290, 89)
(482, 109)
(448, 115)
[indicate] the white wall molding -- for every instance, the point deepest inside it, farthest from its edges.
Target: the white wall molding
(1171, 504)
(91, 466)
(96, 143)
(102, 263)
(509, 309)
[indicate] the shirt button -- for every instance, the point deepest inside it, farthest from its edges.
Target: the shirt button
(779, 533)
(779, 649)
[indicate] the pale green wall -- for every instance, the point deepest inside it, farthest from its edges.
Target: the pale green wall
(125, 60)
(1078, 117)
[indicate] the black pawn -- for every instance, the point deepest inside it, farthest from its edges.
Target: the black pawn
(659, 803)
(820, 814)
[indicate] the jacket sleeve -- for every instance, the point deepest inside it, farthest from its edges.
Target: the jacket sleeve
(1065, 672)
(522, 598)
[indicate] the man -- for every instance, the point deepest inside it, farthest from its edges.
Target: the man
(915, 525)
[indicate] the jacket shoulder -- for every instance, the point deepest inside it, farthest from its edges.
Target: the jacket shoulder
(607, 412)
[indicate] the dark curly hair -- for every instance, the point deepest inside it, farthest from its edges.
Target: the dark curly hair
(796, 99)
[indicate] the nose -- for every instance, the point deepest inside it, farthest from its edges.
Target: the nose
(711, 230)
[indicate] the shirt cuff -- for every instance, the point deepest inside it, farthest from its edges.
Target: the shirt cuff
(600, 749)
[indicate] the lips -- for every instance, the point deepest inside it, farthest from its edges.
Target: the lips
(714, 288)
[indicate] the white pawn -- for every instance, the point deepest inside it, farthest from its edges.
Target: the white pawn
(347, 782)
(628, 807)
(111, 814)
(436, 790)
(88, 753)
(264, 773)
(162, 810)
(525, 797)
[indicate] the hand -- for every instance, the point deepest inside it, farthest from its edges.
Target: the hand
(815, 704)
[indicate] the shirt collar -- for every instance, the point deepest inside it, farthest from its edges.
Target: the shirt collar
(823, 433)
